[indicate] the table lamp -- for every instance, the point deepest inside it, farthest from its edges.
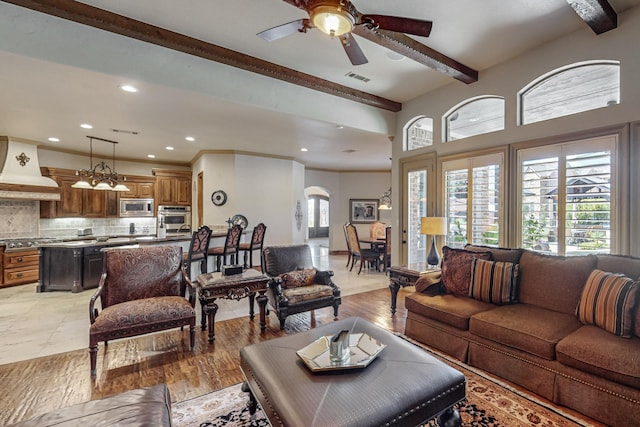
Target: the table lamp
(433, 226)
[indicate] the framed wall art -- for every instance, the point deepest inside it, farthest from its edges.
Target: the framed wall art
(363, 211)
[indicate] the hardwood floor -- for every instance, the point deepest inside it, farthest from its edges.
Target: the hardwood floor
(37, 386)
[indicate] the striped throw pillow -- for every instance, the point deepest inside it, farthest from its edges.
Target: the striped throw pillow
(494, 282)
(607, 301)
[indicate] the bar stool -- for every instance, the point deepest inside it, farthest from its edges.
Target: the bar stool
(230, 247)
(257, 240)
(197, 250)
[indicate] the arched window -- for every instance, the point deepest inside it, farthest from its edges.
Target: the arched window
(474, 117)
(418, 133)
(568, 90)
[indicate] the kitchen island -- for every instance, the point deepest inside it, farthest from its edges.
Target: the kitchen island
(76, 265)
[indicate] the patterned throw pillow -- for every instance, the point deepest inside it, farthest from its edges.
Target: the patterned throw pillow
(607, 301)
(456, 269)
(494, 282)
(295, 279)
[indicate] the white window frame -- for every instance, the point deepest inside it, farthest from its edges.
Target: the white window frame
(470, 163)
(446, 118)
(561, 151)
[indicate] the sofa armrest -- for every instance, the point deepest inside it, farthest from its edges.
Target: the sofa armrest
(430, 283)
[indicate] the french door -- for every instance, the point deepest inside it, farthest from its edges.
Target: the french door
(418, 200)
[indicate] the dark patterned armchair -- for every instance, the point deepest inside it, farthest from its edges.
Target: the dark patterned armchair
(141, 290)
(295, 285)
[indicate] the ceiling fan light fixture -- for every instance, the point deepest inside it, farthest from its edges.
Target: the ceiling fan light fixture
(332, 20)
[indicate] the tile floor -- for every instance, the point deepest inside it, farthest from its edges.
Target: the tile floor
(39, 324)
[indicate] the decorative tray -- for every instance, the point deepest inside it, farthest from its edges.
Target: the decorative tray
(362, 350)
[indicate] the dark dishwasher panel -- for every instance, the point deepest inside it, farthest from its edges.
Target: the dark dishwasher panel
(92, 267)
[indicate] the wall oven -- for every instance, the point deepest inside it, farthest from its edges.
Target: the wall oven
(177, 219)
(130, 208)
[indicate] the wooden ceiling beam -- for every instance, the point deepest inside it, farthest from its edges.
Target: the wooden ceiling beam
(406, 46)
(598, 14)
(122, 25)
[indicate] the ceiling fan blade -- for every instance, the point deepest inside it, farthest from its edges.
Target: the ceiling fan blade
(283, 30)
(416, 27)
(353, 51)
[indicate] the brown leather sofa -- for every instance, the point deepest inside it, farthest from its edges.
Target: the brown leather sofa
(296, 286)
(537, 341)
(145, 407)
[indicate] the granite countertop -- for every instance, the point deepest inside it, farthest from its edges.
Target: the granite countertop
(115, 241)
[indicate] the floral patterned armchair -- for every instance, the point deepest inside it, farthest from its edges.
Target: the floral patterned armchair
(142, 290)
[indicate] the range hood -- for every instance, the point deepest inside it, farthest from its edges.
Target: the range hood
(20, 176)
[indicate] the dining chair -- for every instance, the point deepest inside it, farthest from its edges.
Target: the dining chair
(257, 240)
(346, 236)
(376, 229)
(230, 248)
(386, 255)
(363, 255)
(198, 250)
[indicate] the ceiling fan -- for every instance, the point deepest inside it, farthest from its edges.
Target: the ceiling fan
(337, 18)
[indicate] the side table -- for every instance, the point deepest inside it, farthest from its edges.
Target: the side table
(405, 275)
(214, 285)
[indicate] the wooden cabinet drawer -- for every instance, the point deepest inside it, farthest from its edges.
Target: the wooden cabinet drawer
(21, 258)
(17, 276)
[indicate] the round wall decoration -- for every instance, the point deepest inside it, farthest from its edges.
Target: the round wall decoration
(219, 197)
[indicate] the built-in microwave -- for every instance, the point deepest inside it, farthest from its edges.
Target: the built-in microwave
(176, 219)
(136, 207)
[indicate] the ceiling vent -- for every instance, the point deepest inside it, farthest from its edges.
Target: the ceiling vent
(358, 77)
(130, 132)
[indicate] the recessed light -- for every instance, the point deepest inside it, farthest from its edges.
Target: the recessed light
(169, 148)
(54, 139)
(339, 127)
(304, 149)
(129, 88)
(86, 126)
(190, 138)
(151, 156)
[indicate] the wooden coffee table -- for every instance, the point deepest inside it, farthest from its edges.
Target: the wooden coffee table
(212, 286)
(403, 386)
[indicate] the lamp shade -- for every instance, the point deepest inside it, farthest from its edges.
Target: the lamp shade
(433, 225)
(332, 20)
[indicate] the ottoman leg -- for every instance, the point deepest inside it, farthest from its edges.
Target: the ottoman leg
(253, 404)
(450, 418)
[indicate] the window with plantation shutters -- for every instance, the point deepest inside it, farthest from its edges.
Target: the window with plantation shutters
(473, 189)
(566, 197)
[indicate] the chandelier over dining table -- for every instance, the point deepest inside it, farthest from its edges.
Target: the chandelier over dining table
(100, 176)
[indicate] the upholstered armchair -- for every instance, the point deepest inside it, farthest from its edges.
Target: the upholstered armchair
(142, 290)
(295, 285)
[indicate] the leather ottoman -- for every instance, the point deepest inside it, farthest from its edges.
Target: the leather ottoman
(402, 386)
(145, 407)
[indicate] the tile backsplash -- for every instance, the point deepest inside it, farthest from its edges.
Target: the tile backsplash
(21, 219)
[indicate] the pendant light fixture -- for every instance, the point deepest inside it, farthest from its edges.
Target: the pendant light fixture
(101, 176)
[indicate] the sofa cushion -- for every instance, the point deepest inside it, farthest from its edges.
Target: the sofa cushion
(498, 254)
(494, 282)
(525, 327)
(449, 309)
(140, 313)
(295, 279)
(456, 269)
(554, 282)
(607, 301)
(306, 293)
(592, 349)
(627, 265)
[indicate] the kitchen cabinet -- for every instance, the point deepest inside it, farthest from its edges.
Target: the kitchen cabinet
(139, 188)
(173, 187)
(76, 202)
(70, 269)
(20, 267)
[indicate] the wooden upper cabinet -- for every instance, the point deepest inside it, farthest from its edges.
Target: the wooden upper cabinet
(173, 187)
(76, 202)
(139, 188)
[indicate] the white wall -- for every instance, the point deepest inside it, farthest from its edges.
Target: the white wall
(508, 78)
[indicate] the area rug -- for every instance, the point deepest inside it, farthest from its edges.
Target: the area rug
(489, 403)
